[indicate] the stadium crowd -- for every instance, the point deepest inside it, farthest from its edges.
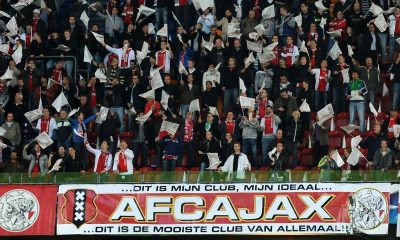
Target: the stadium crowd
(148, 62)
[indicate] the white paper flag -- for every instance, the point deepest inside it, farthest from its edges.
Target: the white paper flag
(33, 115)
(325, 114)
(380, 23)
(338, 159)
(246, 102)
(350, 50)
(144, 117)
(204, 4)
(102, 116)
(182, 69)
(344, 141)
(12, 26)
(169, 127)
(304, 107)
(380, 107)
(299, 20)
(320, 6)
(163, 32)
(85, 19)
(270, 47)
(335, 51)
(2, 131)
(213, 111)
(146, 11)
(355, 141)
(335, 34)
(4, 14)
(44, 140)
(62, 47)
(164, 99)
(272, 152)
(354, 157)
(373, 110)
(214, 161)
(260, 29)
(4, 48)
(156, 81)
(349, 128)
(51, 83)
(194, 105)
(375, 9)
(242, 86)
(385, 90)
(72, 113)
(309, 141)
(396, 130)
(234, 30)
(268, 12)
(345, 74)
(87, 56)
(176, 18)
(249, 60)
(8, 74)
(322, 23)
(100, 75)
(303, 48)
(332, 125)
(152, 29)
(208, 45)
(255, 47)
(56, 167)
(99, 37)
(148, 94)
(368, 124)
(60, 101)
(17, 55)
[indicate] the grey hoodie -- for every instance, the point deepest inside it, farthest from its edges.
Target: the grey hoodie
(250, 128)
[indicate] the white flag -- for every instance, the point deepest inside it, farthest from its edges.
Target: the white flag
(87, 57)
(60, 101)
(344, 141)
(373, 110)
(375, 9)
(44, 140)
(345, 74)
(176, 18)
(249, 60)
(299, 20)
(304, 107)
(146, 11)
(355, 141)
(385, 90)
(156, 81)
(8, 74)
(350, 50)
(20, 5)
(4, 48)
(164, 99)
(148, 94)
(255, 47)
(338, 159)
(2, 131)
(51, 83)
(214, 161)
(303, 47)
(325, 114)
(85, 19)
(380, 23)
(380, 107)
(322, 23)
(368, 124)
(4, 14)
(17, 55)
(163, 32)
(144, 117)
(309, 141)
(182, 69)
(12, 26)
(270, 47)
(260, 29)
(332, 125)
(320, 6)
(242, 86)
(99, 37)
(335, 34)
(102, 115)
(396, 130)
(335, 51)
(354, 157)
(100, 75)
(349, 128)
(194, 105)
(62, 47)
(246, 102)
(234, 30)
(217, 67)
(33, 115)
(72, 113)
(152, 29)
(268, 12)
(213, 111)
(169, 127)
(266, 57)
(56, 166)
(208, 45)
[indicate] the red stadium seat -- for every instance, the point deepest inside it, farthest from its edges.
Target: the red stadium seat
(342, 119)
(127, 134)
(263, 168)
(145, 169)
(306, 158)
(195, 169)
(180, 169)
(386, 104)
(335, 139)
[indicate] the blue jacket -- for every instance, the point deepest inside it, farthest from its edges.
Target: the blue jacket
(75, 124)
(171, 146)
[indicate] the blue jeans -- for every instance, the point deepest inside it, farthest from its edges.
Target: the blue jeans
(370, 98)
(143, 150)
(250, 149)
(293, 149)
(383, 40)
(358, 106)
(120, 113)
(161, 17)
(392, 47)
(396, 94)
(184, 110)
(230, 97)
(320, 100)
(265, 141)
(339, 99)
(69, 67)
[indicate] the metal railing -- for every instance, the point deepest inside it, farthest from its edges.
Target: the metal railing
(202, 177)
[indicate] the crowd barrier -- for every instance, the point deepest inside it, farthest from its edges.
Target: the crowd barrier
(193, 203)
